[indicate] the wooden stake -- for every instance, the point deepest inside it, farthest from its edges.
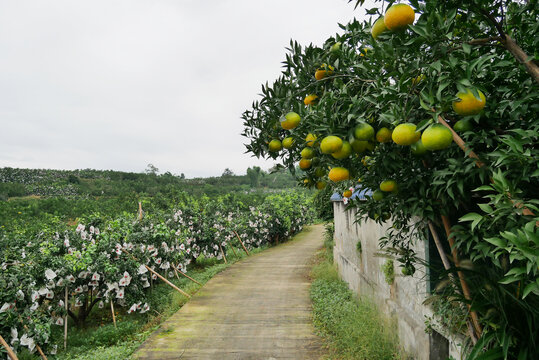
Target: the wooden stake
(160, 277)
(140, 211)
(233, 250)
(10, 352)
(223, 253)
(447, 266)
(463, 283)
(241, 242)
(168, 282)
(65, 320)
(41, 353)
(187, 276)
(113, 316)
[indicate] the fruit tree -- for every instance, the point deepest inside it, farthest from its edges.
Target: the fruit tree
(395, 88)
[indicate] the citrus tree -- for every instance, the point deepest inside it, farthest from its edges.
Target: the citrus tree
(433, 105)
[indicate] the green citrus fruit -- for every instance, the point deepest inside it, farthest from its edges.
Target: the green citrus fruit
(330, 144)
(378, 27)
(288, 142)
(319, 172)
(377, 195)
(388, 186)
(336, 47)
(359, 146)
(383, 135)
(290, 121)
(463, 126)
(344, 152)
(324, 71)
(399, 16)
(436, 137)
(307, 153)
(418, 148)
(304, 164)
(275, 145)
(320, 185)
(405, 134)
(363, 131)
(469, 104)
(339, 174)
(310, 99)
(310, 139)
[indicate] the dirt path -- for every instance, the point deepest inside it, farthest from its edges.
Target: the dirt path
(257, 309)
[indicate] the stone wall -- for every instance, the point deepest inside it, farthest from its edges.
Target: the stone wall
(403, 300)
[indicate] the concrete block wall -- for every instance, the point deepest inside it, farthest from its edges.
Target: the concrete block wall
(403, 300)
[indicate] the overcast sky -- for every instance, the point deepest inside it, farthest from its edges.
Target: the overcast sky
(120, 84)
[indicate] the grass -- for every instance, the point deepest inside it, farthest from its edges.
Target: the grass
(352, 328)
(100, 340)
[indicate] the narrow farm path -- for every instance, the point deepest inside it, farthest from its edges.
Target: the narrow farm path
(258, 308)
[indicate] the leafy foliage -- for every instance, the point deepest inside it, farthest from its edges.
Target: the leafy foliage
(413, 76)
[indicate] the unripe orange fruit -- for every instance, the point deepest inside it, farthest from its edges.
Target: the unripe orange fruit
(275, 145)
(330, 144)
(405, 134)
(290, 121)
(378, 27)
(305, 164)
(339, 174)
(399, 16)
(469, 104)
(310, 99)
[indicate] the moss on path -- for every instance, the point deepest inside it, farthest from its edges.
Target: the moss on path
(258, 308)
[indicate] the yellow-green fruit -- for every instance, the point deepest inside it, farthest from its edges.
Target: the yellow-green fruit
(377, 195)
(383, 135)
(320, 185)
(307, 153)
(344, 152)
(436, 137)
(399, 16)
(310, 139)
(304, 164)
(330, 144)
(275, 145)
(388, 186)
(418, 148)
(319, 172)
(336, 47)
(469, 104)
(378, 28)
(363, 131)
(290, 121)
(418, 79)
(339, 174)
(288, 142)
(405, 134)
(463, 125)
(347, 193)
(310, 99)
(359, 146)
(325, 70)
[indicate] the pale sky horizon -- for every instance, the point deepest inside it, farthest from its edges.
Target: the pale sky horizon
(116, 85)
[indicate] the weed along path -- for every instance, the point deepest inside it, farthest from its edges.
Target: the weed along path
(257, 309)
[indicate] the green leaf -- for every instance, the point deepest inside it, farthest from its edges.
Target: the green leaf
(497, 242)
(529, 288)
(467, 48)
(509, 279)
(486, 208)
